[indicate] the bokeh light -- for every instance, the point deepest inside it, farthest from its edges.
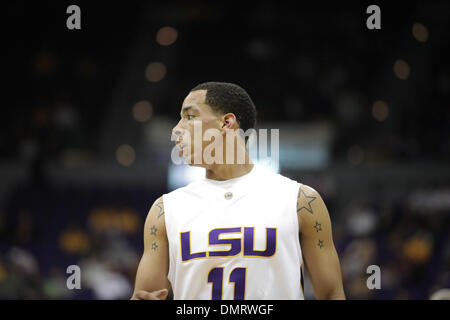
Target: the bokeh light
(125, 155)
(142, 111)
(155, 71)
(166, 36)
(380, 110)
(401, 69)
(420, 32)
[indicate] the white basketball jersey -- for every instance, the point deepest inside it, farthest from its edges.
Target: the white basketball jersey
(235, 239)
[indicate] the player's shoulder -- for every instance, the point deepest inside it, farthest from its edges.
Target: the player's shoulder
(308, 190)
(309, 199)
(276, 178)
(193, 188)
(156, 212)
(275, 185)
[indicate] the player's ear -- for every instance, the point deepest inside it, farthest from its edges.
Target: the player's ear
(229, 121)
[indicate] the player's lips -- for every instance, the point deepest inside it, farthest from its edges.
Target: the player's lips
(180, 147)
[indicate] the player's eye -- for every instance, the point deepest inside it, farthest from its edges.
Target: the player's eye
(190, 116)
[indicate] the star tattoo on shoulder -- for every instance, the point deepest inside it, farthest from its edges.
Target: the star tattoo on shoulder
(320, 244)
(153, 230)
(318, 226)
(161, 209)
(154, 246)
(302, 199)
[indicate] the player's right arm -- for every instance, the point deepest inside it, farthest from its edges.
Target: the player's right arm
(151, 278)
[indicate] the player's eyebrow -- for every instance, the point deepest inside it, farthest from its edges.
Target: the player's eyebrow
(185, 109)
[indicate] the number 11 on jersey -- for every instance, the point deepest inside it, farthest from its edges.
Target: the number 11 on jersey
(237, 276)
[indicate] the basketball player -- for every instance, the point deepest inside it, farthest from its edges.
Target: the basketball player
(241, 232)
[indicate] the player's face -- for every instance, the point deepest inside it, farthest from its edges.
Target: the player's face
(195, 112)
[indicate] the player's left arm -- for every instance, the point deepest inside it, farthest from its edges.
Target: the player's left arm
(319, 254)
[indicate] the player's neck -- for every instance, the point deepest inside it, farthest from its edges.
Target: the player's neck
(228, 171)
(241, 165)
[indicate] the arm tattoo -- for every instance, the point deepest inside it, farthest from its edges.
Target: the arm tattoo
(318, 226)
(153, 230)
(320, 244)
(302, 198)
(154, 246)
(161, 209)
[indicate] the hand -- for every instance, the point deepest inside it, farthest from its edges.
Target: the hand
(145, 295)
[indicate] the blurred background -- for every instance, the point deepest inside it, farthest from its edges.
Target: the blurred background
(86, 117)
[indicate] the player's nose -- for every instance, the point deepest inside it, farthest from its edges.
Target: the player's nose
(176, 132)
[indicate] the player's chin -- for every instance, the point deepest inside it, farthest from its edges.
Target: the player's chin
(192, 163)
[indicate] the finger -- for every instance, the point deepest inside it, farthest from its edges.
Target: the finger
(144, 295)
(161, 294)
(155, 295)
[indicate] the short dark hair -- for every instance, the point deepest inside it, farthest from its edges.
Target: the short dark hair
(229, 97)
